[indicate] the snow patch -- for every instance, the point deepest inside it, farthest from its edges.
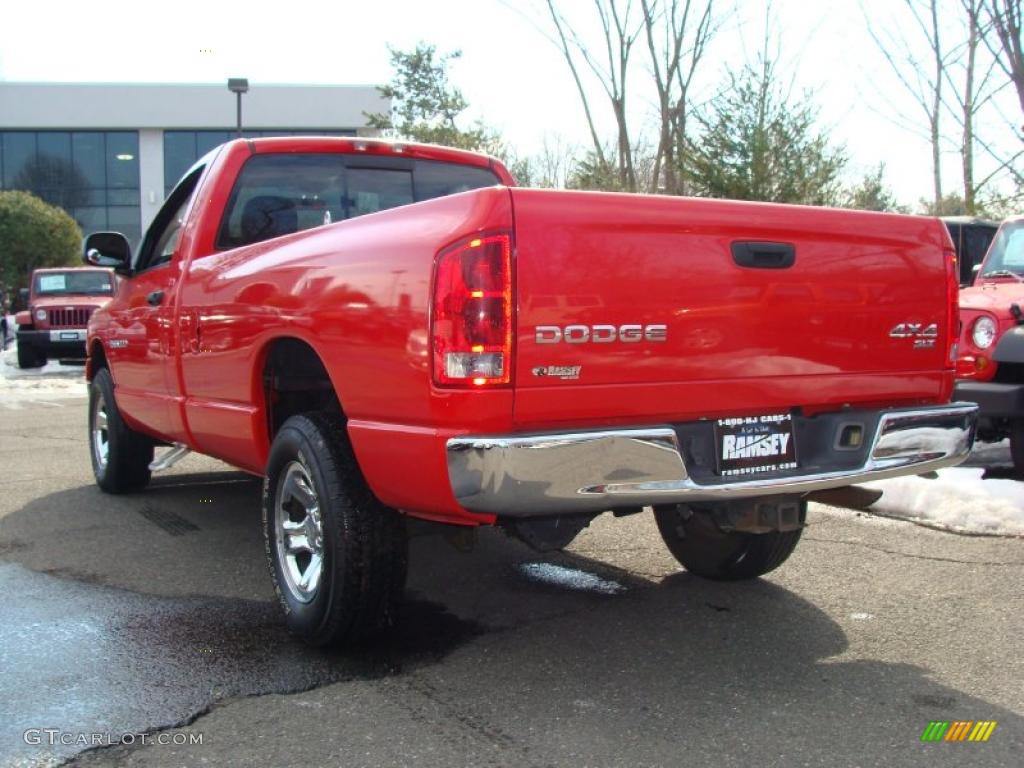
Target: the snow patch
(53, 381)
(989, 455)
(959, 500)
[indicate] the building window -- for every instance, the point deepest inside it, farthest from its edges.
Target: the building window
(93, 175)
(183, 148)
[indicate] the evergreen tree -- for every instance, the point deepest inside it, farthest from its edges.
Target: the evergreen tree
(425, 105)
(756, 143)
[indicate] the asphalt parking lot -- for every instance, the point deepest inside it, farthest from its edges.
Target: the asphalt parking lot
(153, 614)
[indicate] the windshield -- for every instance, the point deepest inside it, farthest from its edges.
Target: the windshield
(67, 283)
(1006, 256)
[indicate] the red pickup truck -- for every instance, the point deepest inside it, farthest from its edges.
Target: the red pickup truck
(383, 329)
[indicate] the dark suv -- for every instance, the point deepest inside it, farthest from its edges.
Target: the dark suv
(971, 238)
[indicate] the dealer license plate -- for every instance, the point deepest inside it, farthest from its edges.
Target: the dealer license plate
(749, 445)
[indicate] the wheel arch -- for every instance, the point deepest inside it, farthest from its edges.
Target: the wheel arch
(96, 358)
(290, 377)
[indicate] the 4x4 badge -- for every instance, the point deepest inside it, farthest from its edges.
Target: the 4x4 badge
(915, 331)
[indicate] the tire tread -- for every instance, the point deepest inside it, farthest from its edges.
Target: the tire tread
(1017, 445)
(28, 357)
(365, 594)
(130, 452)
(706, 551)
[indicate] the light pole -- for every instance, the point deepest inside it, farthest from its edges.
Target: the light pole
(238, 86)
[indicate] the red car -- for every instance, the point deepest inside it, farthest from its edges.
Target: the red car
(991, 365)
(385, 330)
(60, 303)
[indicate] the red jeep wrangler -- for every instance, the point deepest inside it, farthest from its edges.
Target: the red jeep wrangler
(991, 363)
(60, 303)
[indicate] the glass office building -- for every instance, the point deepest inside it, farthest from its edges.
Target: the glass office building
(109, 153)
(93, 175)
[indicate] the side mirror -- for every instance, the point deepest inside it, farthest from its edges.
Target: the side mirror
(108, 249)
(23, 296)
(977, 268)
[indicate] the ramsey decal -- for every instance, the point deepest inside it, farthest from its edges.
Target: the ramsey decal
(752, 444)
(563, 372)
(749, 446)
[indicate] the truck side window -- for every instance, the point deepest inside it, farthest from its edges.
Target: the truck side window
(169, 239)
(163, 234)
(276, 195)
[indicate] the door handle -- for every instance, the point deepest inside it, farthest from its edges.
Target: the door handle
(155, 298)
(763, 255)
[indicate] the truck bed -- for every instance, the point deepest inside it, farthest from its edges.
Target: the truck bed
(737, 339)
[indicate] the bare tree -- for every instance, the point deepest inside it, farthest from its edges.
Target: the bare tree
(619, 36)
(973, 8)
(554, 163)
(981, 84)
(1006, 17)
(620, 30)
(974, 79)
(922, 80)
(584, 100)
(972, 87)
(678, 33)
(957, 80)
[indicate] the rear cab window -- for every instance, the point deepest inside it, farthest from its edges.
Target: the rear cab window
(278, 194)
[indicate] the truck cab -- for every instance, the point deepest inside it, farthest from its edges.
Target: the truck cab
(60, 303)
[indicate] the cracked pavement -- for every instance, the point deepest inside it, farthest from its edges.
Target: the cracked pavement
(154, 613)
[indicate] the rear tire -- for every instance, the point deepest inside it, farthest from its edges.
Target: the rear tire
(120, 455)
(1017, 445)
(337, 555)
(28, 357)
(700, 546)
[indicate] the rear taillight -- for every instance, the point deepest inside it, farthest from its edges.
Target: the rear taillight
(952, 308)
(471, 322)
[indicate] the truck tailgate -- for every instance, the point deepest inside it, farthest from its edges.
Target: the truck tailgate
(860, 316)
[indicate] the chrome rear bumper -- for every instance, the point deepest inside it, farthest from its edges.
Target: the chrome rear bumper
(564, 473)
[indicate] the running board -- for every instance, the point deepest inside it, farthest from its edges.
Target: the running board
(170, 458)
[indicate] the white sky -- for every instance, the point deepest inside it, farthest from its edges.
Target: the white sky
(514, 79)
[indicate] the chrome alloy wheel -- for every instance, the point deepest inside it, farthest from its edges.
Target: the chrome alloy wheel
(100, 435)
(300, 539)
